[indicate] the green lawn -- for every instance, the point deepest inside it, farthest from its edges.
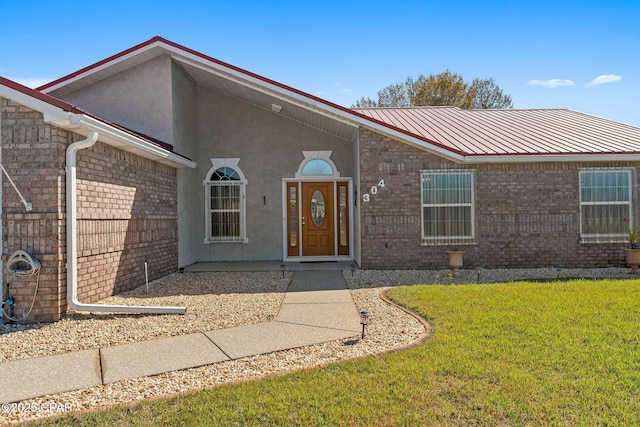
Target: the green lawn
(555, 353)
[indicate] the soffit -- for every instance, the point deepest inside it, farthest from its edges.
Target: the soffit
(220, 77)
(293, 106)
(448, 131)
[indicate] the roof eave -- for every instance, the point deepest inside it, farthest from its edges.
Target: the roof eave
(256, 82)
(68, 117)
(105, 63)
(553, 158)
(128, 142)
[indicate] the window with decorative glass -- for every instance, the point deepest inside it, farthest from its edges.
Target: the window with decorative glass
(606, 204)
(317, 167)
(448, 207)
(225, 196)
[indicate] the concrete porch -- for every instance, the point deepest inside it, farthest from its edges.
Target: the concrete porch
(270, 266)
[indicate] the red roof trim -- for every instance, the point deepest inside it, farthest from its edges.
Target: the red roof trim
(158, 39)
(40, 96)
(73, 109)
(253, 75)
(305, 94)
(555, 153)
(98, 64)
(412, 135)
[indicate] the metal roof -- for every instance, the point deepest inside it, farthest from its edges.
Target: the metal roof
(460, 135)
(219, 76)
(512, 131)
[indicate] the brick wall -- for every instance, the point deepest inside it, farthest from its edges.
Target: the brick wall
(127, 214)
(33, 154)
(527, 215)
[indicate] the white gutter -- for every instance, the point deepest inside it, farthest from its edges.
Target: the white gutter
(72, 244)
(546, 158)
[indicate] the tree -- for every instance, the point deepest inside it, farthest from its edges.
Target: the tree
(394, 95)
(487, 95)
(444, 89)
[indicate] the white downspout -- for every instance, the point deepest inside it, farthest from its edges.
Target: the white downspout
(72, 245)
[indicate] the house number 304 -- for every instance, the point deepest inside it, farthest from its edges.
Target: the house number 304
(366, 197)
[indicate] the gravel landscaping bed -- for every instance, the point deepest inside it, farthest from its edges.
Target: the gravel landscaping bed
(223, 300)
(213, 301)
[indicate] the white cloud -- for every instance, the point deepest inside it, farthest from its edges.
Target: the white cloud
(31, 82)
(551, 82)
(604, 79)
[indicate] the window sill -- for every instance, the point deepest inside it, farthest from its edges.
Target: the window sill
(210, 241)
(603, 239)
(458, 243)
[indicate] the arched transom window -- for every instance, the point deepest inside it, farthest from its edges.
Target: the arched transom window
(225, 194)
(317, 167)
(317, 163)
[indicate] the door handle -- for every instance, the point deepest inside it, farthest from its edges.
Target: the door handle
(303, 223)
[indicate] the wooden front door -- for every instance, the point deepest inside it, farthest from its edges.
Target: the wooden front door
(318, 233)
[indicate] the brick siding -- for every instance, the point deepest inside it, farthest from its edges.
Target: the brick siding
(527, 215)
(127, 214)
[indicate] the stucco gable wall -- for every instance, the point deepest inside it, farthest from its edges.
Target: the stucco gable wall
(183, 98)
(184, 135)
(527, 215)
(270, 148)
(138, 98)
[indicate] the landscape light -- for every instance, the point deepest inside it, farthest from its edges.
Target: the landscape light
(364, 320)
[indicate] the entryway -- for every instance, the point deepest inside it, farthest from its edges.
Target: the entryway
(318, 219)
(317, 211)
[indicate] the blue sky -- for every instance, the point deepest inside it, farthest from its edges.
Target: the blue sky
(583, 55)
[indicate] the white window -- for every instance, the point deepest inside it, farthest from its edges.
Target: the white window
(225, 201)
(317, 167)
(317, 163)
(448, 207)
(606, 204)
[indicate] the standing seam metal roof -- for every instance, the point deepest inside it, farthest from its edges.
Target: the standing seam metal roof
(462, 132)
(512, 131)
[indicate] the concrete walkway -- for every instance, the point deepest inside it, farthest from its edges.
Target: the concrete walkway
(317, 308)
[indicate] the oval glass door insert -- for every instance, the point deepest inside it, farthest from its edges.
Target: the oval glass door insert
(317, 208)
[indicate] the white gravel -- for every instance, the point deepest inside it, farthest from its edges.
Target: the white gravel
(222, 300)
(213, 301)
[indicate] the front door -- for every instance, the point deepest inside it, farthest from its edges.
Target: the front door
(318, 231)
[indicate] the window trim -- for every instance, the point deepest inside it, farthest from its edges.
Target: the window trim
(310, 156)
(448, 240)
(231, 163)
(607, 237)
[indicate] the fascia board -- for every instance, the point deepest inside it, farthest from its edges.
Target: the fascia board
(267, 87)
(414, 142)
(50, 112)
(95, 69)
(552, 158)
(263, 87)
(302, 101)
(130, 140)
(65, 119)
